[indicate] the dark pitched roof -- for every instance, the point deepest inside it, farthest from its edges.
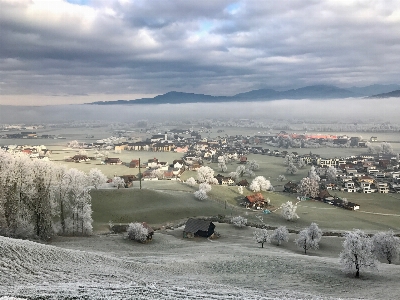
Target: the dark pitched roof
(194, 225)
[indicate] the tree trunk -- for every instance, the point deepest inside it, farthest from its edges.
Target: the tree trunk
(62, 217)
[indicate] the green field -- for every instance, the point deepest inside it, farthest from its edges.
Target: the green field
(166, 202)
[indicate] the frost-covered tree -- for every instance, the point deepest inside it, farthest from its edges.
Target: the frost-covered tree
(309, 187)
(357, 252)
(281, 178)
(386, 246)
(79, 215)
(205, 187)
(234, 175)
(239, 221)
(301, 163)
(241, 170)
(240, 190)
(303, 241)
(288, 159)
(260, 184)
(41, 201)
(222, 163)
(205, 174)
(280, 234)
(309, 238)
(33, 194)
(313, 174)
(97, 178)
(201, 195)
(315, 234)
(137, 232)
(386, 148)
(73, 144)
(331, 174)
(191, 181)
(118, 182)
(371, 149)
(82, 152)
(288, 211)
(61, 193)
(291, 169)
(261, 236)
(157, 173)
(252, 165)
(247, 169)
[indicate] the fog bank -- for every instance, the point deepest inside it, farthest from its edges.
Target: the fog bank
(343, 110)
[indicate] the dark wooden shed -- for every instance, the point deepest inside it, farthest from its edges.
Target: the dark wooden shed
(198, 227)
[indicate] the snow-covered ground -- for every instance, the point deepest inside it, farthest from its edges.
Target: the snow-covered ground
(231, 267)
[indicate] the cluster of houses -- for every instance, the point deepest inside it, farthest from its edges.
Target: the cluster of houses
(34, 152)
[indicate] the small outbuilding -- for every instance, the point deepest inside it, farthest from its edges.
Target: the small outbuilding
(198, 227)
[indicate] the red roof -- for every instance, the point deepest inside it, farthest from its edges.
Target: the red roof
(255, 198)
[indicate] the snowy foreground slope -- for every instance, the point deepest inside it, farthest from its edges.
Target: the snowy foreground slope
(232, 267)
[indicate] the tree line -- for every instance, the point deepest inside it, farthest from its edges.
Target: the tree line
(39, 199)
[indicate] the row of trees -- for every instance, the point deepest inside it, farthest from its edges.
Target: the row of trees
(360, 250)
(39, 198)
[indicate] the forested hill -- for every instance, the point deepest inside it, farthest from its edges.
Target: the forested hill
(308, 92)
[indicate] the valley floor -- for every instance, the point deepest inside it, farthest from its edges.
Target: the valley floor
(233, 266)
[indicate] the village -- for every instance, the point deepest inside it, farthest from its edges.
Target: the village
(365, 173)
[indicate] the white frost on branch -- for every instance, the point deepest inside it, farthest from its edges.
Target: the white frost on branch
(357, 252)
(289, 211)
(280, 234)
(260, 184)
(386, 246)
(239, 221)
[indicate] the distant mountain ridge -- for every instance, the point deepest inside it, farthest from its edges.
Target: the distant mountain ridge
(308, 92)
(395, 93)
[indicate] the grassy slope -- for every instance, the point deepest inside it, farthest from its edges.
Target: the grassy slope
(163, 202)
(153, 207)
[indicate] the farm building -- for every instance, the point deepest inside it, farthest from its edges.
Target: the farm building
(198, 227)
(255, 201)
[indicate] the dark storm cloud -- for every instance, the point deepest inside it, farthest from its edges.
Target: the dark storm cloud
(213, 47)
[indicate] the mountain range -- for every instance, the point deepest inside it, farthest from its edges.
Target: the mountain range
(308, 92)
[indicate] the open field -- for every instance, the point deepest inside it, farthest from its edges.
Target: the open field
(168, 202)
(169, 267)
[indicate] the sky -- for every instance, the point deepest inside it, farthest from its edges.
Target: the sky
(80, 51)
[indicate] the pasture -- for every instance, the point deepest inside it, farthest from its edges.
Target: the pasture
(166, 202)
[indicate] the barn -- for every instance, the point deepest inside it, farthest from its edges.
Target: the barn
(198, 227)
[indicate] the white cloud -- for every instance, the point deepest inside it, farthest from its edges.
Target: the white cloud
(213, 46)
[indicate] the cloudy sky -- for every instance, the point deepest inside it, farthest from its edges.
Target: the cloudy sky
(75, 51)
